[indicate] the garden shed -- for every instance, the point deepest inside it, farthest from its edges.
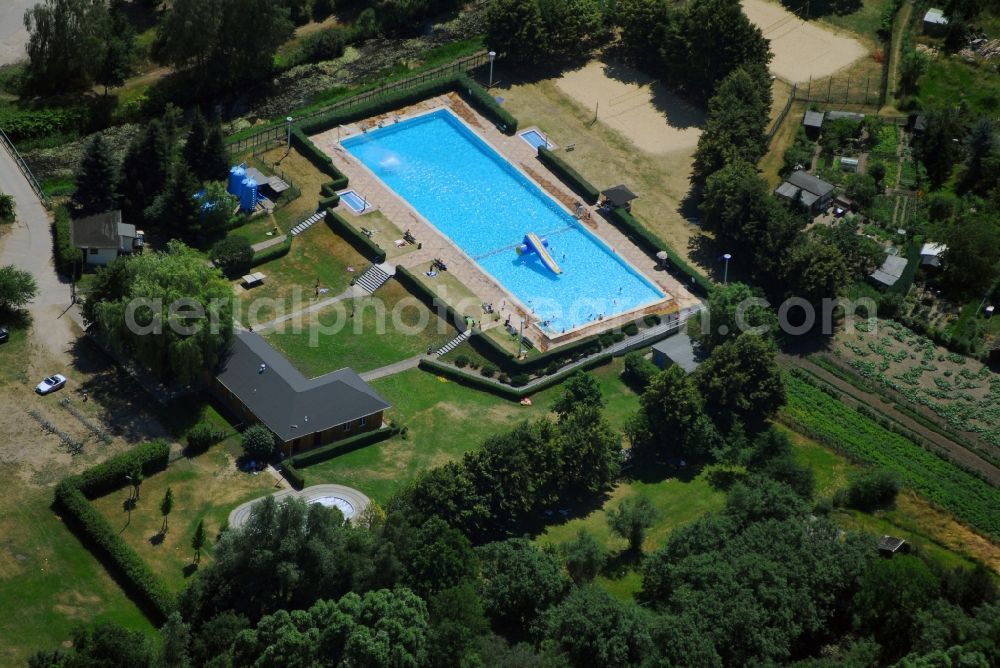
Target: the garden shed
(935, 22)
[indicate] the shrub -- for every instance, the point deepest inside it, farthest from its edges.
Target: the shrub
(203, 435)
(489, 370)
(651, 320)
(630, 329)
(233, 255)
(293, 475)
(67, 255)
(638, 371)
(552, 368)
(324, 45)
(272, 253)
(872, 490)
(519, 379)
(462, 361)
(503, 378)
(258, 442)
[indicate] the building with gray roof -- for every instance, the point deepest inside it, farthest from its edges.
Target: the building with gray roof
(806, 190)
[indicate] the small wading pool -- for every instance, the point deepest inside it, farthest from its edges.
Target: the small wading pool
(535, 138)
(354, 201)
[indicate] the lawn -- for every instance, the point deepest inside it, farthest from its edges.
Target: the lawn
(445, 420)
(364, 333)
(317, 255)
(864, 22)
(950, 81)
(206, 487)
(50, 582)
(299, 173)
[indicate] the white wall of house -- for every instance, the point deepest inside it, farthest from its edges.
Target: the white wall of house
(100, 256)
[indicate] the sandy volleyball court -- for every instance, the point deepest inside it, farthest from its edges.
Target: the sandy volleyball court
(648, 114)
(801, 49)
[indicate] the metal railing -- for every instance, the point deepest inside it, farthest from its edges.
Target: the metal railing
(23, 166)
(277, 131)
(784, 112)
(861, 91)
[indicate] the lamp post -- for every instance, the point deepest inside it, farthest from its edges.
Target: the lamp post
(725, 276)
(288, 120)
(492, 55)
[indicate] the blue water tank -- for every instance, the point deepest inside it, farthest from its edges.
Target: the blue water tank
(236, 176)
(248, 194)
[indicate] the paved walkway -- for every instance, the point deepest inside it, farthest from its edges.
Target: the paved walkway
(27, 244)
(353, 291)
(259, 246)
(392, 369)
(351, 502)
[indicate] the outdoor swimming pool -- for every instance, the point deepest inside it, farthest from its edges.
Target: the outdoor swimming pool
(353, 200)
(486, 207)
(535, 138)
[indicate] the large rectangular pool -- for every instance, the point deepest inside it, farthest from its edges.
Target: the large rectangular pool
(485, 206)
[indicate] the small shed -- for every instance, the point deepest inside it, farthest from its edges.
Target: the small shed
(935, 22)
(269, 186)
(103, 237)
(890, 271)
(676, 349)
(619, 196)
(813, 123)
(849, 164)
(890, 545)
(930, 255)
(916, 123)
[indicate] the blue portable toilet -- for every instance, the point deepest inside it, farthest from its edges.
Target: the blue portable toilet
(236, 176)
(248, 194)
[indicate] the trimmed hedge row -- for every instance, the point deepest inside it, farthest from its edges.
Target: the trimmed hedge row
(67, 256)
(361, 243)
(293, 475)
(110, 475)
(652, 244)
(486, 104)
(72, 497)
(318, 158)
(430, 300)
(272, 252)
(479, 382)
(292, 464)
(570, 176)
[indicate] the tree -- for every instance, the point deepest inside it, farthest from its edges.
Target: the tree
(911, 67)
(871, 490)
(175, 212)
(891, 595)
(65, 36)
(233, 255)
(861, 254)
(134, 305)
(457, 621)
(147, 163)
(580, 391)
(198, 540)
(639, 371)
(584, 557)
(735, 202)
(971, 263)
(815, 271)
(671, 422)
(981, 144)
(166, 505)
(194, 147)
(515, 28)
(590, 453)
(176, 639)
(219, 210)
(595, 629)
(741, 383)
(116, 60)
(439, 557)
(105, 644)
(17, 288)
(570, 25)
(738, 115)
(757, 499)
(258, 443)
(876, 170)
(518, 581)
(215, 164)
(136, 478)
(862, 188)
(97, 179)
(940, 147)
(733, 309)
(631, 518)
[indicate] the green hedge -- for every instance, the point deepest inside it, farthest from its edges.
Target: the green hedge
(318, 158)
(358, 240)
(480, 382)
(417, 288)
(317, 455)
(272, 252)
(486, 104)
(652, 244)
(110, 475)
(493, 351)
(570, 176)
(328, 202)
(293, 475)
(72, 497)
(67, 256)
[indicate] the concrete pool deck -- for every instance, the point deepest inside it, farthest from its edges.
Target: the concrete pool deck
(315, 494)
(436, 245)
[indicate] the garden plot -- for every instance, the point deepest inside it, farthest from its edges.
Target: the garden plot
(962, 391)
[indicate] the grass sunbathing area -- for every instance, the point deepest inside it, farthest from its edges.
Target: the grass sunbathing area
(387, 327)
(316, 255)
(206, 487)
(445, 420)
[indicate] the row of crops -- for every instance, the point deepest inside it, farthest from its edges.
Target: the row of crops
(969, 498)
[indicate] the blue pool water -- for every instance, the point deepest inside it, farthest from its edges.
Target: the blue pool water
(485, 206)
(353, 200)
(535, 138)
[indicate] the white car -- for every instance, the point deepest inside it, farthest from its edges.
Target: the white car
(51, 384)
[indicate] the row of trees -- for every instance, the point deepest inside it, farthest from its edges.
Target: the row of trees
(163, 177)
(534, 31)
